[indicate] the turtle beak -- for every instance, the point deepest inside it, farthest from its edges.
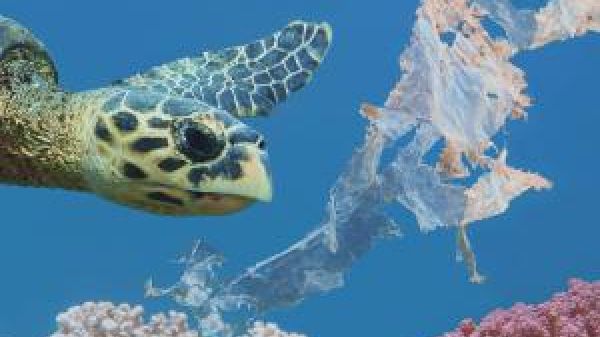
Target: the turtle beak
(242, 173)
(255, 182)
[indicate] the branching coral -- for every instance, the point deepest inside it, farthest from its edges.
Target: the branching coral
(575, 313)
(108, 320)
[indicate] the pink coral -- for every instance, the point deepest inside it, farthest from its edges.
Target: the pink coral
(575, 313)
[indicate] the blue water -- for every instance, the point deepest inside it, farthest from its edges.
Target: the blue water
(59, 249)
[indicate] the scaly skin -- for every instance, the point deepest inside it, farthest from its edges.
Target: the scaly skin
(41, 143)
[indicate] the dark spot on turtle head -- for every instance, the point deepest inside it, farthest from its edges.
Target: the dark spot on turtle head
(142, 101)
(147, 144)
(228, 169)
(102, 132)
(165, 198)
(225, 169)
(171, 164)
(125, 121)
(198, 174)
(158, 123)
(198, 142)
(237, 154)
(132, 171)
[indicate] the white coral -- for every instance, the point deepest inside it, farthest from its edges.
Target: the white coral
(261, 329)
(108, 320)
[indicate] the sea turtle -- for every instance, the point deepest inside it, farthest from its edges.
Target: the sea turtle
(168, 140)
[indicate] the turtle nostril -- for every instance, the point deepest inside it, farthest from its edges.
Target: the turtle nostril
(199, 142)
(262, 144)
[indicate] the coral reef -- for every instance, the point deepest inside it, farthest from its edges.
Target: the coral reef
(575, 313)
(109, 320)
(268, 330)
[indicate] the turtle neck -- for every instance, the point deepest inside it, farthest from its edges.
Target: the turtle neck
(41, 142)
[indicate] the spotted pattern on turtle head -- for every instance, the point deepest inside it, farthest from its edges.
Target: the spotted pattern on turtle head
(173, 153)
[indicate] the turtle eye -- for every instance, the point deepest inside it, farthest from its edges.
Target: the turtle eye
(198, 142)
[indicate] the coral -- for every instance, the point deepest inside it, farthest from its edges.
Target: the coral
(269, 330)
(108, 320)
(575, 313)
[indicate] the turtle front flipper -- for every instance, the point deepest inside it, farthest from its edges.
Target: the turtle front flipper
(247, 80)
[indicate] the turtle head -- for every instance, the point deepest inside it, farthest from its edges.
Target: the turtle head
(175, 156)
(23, 58)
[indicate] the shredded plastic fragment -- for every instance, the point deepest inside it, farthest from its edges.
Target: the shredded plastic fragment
(458, 89)
(575, 313)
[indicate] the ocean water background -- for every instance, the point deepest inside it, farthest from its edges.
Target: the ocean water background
(58, 249)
